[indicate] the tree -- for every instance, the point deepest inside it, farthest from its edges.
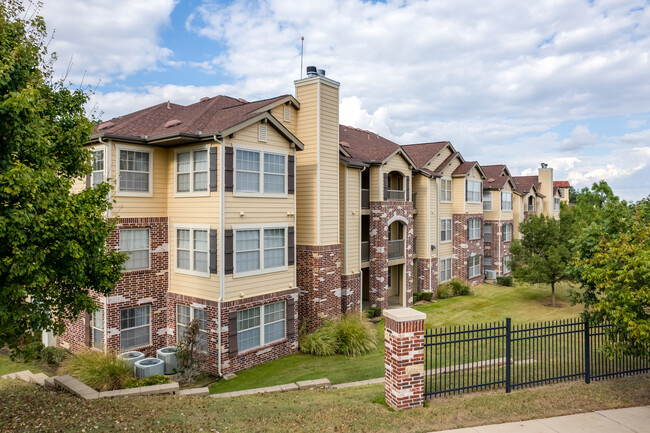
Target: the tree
(613, 265)
(190, 351)
(543, 253)
(52, 240)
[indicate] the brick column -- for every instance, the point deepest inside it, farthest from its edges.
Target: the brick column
(404, 358)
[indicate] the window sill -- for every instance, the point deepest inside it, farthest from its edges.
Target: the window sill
(133, 194)
(266, 346)
(259, 195)
(192, 194)
(192, 273)
(258, 272)
(133, 271)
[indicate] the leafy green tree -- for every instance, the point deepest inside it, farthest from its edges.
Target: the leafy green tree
(544, 252)
(597, 196)
(52, 240)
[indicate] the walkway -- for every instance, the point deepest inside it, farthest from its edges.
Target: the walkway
(632, 419)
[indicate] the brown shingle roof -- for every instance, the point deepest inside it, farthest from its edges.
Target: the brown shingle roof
(561, 184)
(525, 183)
(208, 116)
(422, 153)
(365, 145)
(496, 176)
(466, 167)
(446, 162)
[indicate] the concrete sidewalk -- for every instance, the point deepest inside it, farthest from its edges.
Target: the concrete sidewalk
(632, 419)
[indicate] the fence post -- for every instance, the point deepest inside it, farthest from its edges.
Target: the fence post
(404, 358)
(587, 353)
(508, 354)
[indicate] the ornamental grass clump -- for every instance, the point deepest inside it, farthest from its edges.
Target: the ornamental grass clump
(100, 371)
(349, 335)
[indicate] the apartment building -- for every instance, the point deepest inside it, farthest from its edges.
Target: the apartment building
(254, 217)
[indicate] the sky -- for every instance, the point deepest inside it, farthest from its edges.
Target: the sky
(565, 82)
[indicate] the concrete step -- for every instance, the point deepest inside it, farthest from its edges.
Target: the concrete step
(195, 392)
(25, 376)
(39, 378)
(49, 382)
(316, 383)
(76, 387)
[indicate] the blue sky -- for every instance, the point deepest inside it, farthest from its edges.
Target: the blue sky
(505, 81)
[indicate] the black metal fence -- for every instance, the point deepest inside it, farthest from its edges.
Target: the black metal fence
(502, 355)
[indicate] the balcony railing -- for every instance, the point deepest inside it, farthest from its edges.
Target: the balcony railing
(365, 199)
(396, 195)
(415, 202)
(415, 243)
(365, 251)
(396, 249)
(531, 208)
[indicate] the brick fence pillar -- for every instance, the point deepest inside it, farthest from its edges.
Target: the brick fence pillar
(404, 358)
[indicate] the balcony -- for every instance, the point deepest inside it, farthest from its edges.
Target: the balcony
(365, 199)
(396, 195)
(415, 243)
(396, 249)
(531, 208)
(365, 251)
(415, 202)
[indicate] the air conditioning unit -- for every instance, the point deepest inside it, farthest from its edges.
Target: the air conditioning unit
(490, 274)
(131, 357)
(168, 354)
(148, 367)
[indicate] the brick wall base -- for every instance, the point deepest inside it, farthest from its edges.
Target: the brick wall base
(319, 278)
(427, 275)
(464, 248)
(498, 249)
(351, 293)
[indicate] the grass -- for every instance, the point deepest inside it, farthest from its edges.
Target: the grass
(9, 366)
(523, 303)
(25, 407)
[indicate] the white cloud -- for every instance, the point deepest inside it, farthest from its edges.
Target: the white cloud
(580, 137)
(107, 40)
(635, 123)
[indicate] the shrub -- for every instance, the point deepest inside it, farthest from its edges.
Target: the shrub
(426, 296)
(444, 291)
(32, 351)
(504, 281)
(189, 354)
(154, 379)
(349, 335)
(416, 297)
(99, 370)
(53, 355)
(373, 312)
(460, 288)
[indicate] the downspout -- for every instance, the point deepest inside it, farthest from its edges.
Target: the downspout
(222, 245)
(361, 237)
(500, 230)
(108, 161)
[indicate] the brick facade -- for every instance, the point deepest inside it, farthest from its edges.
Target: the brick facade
(464, 248)
(318, 270)
(381, 215)
(404, 358)
(427, 275)
(498, 249)
(351, 293)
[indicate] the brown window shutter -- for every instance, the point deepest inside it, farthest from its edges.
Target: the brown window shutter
(213, 169)
(232, 333)
(213, 251)
(229, 252)
(291, 319)
(88, 181)
(291, 248)
(291, 174)
(466, 183)
(407, 188)
(230, 153)
(385, 186)
(89, 329)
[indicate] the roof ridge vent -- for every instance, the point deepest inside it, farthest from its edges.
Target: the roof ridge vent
(172, 122)
(205, 98)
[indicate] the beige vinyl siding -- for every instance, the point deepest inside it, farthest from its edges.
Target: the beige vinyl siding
(460, 205)
(437, 160)
(493, 215)
(350, 220)
(278, 113)
(545, 176)
(507, 214)
(376, 183)
(329, 172)
(256, 285)
(397, 163)
(306, 167)
(419, 185)
(143, 207)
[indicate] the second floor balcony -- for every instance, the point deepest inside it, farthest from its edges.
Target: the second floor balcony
(396, 195)
(396, 249)
(365, 251)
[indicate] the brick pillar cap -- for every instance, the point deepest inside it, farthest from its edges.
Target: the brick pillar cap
(404, 315)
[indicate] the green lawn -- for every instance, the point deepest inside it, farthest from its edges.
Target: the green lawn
(523, 303)
(9, 366)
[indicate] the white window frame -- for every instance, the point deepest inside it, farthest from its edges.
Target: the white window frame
(473, 269)
(262, 325)
(450, 229)
(506, 200)
(135, 327)
(192, 228)
(122, 147)
(287, 113)
(100, 329)
(485, 232)
(472, 231)
(191, 193)
(444, 192)
(556, 203)
(260, 229)
(94, 149)
(192, 317)
(487, 202)
(450, 268)
(262, 152)
(479, 192)
(506, 264)
(507, 232)
(139, 249)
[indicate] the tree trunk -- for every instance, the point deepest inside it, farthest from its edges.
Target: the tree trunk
(553, 293)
